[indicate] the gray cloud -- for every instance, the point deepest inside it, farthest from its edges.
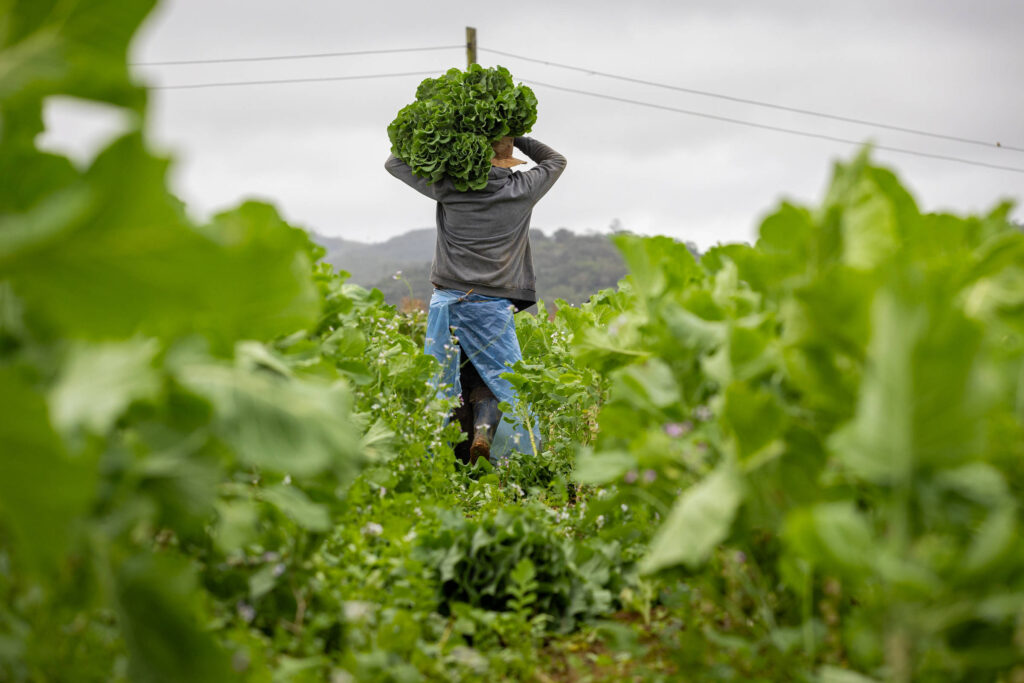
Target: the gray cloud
(317, 149)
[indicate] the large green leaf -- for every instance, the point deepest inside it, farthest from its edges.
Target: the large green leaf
(42, 490)
(657, 262)
(156, 597)
(74, 47)
(745, 354)
(786, 232)
(279, 423)
(874, 211)
(833, 535)
(236, 525)
(98, 382)
(297, 506)
(995, 538)
(602, 467)
(700, 519)
(650, 386)
(920, 399)
(691, 330)
(116, 256)
(755, 417)
(28, 177)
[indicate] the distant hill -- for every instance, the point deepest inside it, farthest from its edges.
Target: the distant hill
(568, 266)
(370, 262)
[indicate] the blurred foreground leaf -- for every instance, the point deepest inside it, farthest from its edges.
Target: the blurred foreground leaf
(699, 521)
(42, 490)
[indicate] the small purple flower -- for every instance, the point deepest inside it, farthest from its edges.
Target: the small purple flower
(650, 476)
(741, 556)
(631, 476)
(678, 429)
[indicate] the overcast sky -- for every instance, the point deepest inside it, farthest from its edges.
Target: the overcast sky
(316, 150)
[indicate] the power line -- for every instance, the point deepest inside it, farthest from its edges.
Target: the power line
(191, 86)
(689, 112)
(302, 56)
(779, 129)
(628, 79)
(758, 103)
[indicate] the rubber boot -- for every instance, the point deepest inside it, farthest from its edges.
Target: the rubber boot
(463, 415)
(486, 417)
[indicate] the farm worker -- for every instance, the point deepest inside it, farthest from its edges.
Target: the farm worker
(482, 274)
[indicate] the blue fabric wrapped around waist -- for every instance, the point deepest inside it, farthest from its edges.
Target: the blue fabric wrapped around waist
(485, 329)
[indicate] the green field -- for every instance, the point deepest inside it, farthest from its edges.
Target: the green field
(801, 460)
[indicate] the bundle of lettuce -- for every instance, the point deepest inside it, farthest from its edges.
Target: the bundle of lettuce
(449, 129)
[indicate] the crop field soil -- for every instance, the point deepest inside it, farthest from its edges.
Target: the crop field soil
(798, 460)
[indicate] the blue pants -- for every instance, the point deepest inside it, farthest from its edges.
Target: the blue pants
(485, 330)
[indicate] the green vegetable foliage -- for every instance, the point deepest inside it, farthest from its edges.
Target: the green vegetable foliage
(448, 130)
(799, 460)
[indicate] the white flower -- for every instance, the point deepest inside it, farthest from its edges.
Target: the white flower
(246, 611)
(600, 521)
(624, 507)
(372, 529)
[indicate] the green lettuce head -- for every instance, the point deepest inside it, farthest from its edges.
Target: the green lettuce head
(449, 128)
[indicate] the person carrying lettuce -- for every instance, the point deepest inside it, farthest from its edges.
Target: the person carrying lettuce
(482, 274)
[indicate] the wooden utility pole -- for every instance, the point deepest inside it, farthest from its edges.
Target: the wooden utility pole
(470, 46)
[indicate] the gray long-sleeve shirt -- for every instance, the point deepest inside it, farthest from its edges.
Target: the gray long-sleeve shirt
(483, 236)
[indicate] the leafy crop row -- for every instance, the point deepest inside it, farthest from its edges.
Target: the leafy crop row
(841, 404)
